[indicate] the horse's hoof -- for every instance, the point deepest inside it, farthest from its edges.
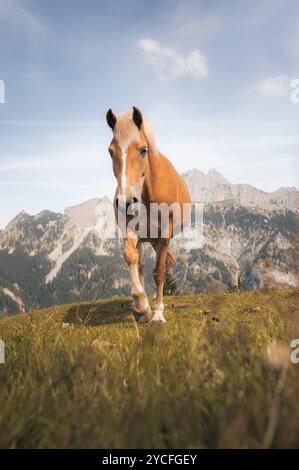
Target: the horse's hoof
(158, 313)
(158, 317)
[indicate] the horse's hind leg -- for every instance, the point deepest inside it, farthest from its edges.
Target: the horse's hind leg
(159, 277)
(140, 300)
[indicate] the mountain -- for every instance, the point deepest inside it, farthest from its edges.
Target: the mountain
(248, 243)
(213, 186)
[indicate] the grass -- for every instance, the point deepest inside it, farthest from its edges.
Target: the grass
(89, 376)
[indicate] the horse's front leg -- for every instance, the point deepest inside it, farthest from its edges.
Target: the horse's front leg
(140, 263)
(140, 300)
(159, 277)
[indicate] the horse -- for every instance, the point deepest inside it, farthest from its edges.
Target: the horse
(144, 175)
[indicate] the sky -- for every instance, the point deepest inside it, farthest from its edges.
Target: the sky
(214, 78)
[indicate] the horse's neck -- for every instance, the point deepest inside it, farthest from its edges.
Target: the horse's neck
(162, 182)
(152, 176)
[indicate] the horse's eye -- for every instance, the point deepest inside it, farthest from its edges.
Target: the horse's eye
(143, 151)
(111, 152)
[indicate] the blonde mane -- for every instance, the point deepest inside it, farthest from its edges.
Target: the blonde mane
(126, 131)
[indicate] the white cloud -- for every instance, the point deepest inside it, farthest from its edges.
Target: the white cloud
(168, 64)
(49, 163)
(275, 86)
(49, 184)
(83, 124)
(14, 15)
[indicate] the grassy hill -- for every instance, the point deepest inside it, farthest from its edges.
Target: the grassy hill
(217, 374)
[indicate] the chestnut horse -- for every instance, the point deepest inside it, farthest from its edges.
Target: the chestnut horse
(144, 176)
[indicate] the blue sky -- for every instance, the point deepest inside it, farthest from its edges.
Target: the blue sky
(213, 77)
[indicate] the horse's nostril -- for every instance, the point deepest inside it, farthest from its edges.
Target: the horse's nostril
(129, 205)
(116, 202)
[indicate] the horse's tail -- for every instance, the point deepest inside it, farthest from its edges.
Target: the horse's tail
(170, 262)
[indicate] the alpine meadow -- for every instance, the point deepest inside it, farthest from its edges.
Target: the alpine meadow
(149, 232)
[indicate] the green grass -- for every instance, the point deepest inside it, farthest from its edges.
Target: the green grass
(200, 380)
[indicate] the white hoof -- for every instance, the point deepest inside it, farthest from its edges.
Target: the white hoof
(159, 317)
(158, 314)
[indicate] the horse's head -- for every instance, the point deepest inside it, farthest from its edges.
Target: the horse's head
(129, 153)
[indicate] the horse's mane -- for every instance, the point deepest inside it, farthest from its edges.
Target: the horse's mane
(126, 131)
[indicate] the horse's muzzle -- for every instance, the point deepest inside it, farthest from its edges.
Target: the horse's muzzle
(134, 200)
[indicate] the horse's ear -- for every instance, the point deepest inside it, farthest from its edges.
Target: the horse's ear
(111, 118)
(137, 117)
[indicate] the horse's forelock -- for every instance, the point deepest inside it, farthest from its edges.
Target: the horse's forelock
(126, 131)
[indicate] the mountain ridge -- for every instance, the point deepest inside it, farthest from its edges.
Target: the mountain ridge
(211, 176)
(52, 257)
(213, 186)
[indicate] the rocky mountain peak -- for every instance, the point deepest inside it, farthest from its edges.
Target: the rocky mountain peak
(216, 177)
(84, 215)
(21, 216)
(214, 187)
